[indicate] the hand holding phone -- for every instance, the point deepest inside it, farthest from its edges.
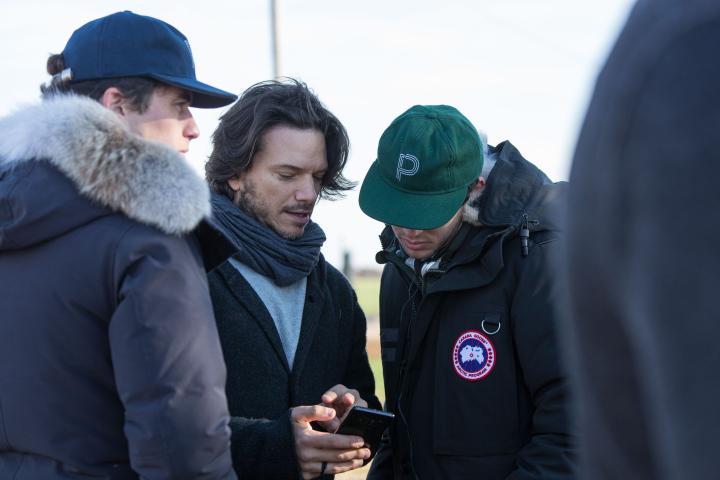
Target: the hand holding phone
(367, 423)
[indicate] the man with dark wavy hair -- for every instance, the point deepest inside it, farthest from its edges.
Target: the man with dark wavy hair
(292, 332)
(110, 364)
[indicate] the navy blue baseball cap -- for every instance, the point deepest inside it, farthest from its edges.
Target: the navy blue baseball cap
(125, 44)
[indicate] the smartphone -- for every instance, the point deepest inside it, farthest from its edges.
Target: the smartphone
(367, 423)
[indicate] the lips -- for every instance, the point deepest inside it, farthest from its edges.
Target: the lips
(300, 216)
(413, 245)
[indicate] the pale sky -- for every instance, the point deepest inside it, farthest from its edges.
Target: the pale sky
(520, 70)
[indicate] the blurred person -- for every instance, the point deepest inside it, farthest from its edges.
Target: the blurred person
(110, 363)
(292, 332)
(643, 262)
(467, 305)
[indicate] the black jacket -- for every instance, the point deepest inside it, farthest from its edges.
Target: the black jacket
(643, 250)
(110, 363)
(470, 351)
(260, 388)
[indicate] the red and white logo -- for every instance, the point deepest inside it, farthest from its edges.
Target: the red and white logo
(473, 356)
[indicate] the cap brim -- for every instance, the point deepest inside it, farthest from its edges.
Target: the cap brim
(419, 211)
(204, 96)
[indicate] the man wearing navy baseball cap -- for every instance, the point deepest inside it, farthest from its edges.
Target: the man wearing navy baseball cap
(110, 362)
(467, 307)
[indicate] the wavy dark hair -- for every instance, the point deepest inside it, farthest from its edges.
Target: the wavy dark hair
(238, 137)
(136, 90)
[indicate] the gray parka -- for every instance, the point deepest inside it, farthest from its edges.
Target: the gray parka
(110, 364)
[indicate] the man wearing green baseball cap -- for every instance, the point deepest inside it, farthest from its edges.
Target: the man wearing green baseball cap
(467, 305)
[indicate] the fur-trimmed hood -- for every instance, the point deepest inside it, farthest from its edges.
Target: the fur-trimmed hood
(517, 191)
(144, 180)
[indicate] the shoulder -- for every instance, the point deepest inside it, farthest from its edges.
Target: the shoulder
(390, 273)
(228, 287)
(138, 241)
(542, 262)
(332, 277)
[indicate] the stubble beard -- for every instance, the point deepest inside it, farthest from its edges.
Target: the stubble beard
(246, 199)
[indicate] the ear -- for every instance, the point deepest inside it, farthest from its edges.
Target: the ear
(470, 211)
(114, 100)
(235, 183)
(479, 185)
(476, 191)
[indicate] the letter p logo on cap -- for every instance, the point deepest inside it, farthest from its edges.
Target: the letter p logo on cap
(401, 170)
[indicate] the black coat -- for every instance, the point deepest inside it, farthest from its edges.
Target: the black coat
(643, 250)
(110, 363)
(506, 414)
(261, 389)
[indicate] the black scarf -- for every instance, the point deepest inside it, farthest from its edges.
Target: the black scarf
(262, 249)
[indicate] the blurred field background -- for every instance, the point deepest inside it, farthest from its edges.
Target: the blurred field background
(367, 287)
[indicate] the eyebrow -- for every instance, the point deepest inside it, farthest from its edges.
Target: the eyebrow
(185, 95)
(294, 169)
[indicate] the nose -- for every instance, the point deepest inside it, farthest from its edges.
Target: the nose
(191, 130)
(306, 191)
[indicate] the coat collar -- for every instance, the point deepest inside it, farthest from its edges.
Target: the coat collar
(246, 295)
(89, 144)
(316, 301)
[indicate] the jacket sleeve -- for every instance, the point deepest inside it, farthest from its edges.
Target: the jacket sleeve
(382, 467)
(382, 464)
(167, 360)
(264, 448)
(549, 453)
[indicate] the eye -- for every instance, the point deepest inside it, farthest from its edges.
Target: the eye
(285, 176)
(182, 106)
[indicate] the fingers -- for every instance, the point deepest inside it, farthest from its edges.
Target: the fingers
(310, 413)
(340, 452)
(341, 396)
(342, 399)
(360, 402)
(305, 438)
(340, 393)
(314, 469)
(310, 455)
(332, 425)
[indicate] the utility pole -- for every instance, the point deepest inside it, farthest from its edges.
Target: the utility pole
(274, 44)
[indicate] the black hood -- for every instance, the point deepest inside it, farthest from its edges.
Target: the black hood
(38, 203)
(516, 188)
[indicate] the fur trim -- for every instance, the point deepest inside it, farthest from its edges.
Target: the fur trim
(145, 180)
(471, 210)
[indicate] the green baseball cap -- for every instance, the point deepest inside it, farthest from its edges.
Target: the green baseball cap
(426, 160)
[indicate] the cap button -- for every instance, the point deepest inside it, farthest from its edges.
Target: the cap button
(431, 115)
